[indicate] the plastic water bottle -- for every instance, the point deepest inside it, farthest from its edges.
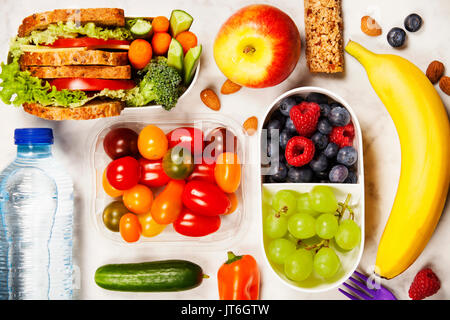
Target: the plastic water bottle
(36, 215)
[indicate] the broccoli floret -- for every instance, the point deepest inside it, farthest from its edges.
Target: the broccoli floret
(160, 84)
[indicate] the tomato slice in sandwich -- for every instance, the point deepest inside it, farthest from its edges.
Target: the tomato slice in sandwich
(85, 84)
(86, 42)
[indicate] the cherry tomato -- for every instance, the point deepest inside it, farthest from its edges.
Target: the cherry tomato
(205, 198)
(234, 203)
(112, 214)
(123, 173)
(121, 142)
(152, 143)
(228, 172)
(138, 199)
(130, 228)
(167, 205)
(188, 138)
(178, 163)
(196, 225)
(109, 189)
(149, 226)
(204, 171)
(220, 140)
(152, 173)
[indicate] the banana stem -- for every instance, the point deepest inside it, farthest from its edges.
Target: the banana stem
(360, 53)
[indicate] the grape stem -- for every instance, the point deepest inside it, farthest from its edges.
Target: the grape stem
(318, 246)
(282, 210)
(343, 207)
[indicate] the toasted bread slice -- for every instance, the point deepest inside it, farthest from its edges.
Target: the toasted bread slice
(90, 72)
(92, 110)
(103, 17)
(72, 57)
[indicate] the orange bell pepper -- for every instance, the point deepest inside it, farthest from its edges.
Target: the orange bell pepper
(239, 278)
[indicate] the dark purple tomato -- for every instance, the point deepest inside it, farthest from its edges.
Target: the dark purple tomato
(220, 140)
(121, 142)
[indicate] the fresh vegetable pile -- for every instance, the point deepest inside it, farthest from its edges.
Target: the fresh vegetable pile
(198, 176)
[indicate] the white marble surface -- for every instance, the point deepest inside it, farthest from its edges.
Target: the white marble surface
(381, 145)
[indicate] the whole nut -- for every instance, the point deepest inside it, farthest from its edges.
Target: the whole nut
(251, 125)
(435, 71)
(210, 99)
(370, 27)
(444, 84)
(230, 87)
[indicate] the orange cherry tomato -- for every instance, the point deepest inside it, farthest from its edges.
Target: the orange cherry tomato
(130, 228)
(168, 205)
(228, 172)
(138, 199)
(234, 203)
(109, 189)
(152, 143)
(149, 226)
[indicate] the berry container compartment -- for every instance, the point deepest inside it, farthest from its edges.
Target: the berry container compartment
(233, 226)
(350, 259)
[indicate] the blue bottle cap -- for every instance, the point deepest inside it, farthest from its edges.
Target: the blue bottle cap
(33, 136)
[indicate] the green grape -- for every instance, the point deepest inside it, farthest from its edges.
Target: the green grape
(348, 235)
(285, 202)
(275, 225)
(298, 265)
(322, 199)
(303, 205)
(279, 250)
(302, 226)
(327, 225)
(291, 238)
(310, 241)
(326, 262)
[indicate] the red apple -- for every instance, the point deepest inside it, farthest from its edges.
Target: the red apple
(258, 46)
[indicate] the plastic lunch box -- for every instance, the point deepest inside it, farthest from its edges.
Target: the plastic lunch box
(349, 260)
(233, 226)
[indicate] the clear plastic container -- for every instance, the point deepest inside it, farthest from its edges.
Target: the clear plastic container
(349, 260)
(233, 226)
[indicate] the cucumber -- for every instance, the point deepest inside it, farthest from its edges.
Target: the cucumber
(191, 61)
(175, 56)
(180, 21)
(141, 29)
(156, 276)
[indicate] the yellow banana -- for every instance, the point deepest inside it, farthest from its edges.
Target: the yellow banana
(424, 131)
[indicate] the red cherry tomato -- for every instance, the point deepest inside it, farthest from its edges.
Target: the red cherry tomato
(195, 225)
(205, 198)
(188, 138)
(123, 173)
(121, 142)
(204, 171)
(152, 173)
(220, 140)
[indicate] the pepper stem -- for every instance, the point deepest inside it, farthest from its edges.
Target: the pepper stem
(232, 257)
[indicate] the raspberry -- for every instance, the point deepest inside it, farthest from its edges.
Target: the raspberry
(425, 284)
(305, 117)
(343, 136)
(299, 151)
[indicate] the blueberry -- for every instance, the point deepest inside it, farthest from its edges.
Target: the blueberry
(396, 37)
(322, 176)
(319, 163)
(285, 136)
(335, 105)
(286, 105)
(331, 150)
(289, 126)
(351, 178)
(339, 117)
(324, 109)
(324, 127)
(300, 175)
(275, 124)
(299, 99)
(347, 156)
(338, 173)
(317, 98)
(280, 172)
(413, 22)
(319, 140)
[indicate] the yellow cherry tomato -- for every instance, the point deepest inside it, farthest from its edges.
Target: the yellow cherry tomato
(138, 199)
(109, 189)
(228, 172)
(234, 203)
(152, 143)
(150, 228)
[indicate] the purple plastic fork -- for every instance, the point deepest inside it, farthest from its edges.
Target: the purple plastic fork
(362, 292)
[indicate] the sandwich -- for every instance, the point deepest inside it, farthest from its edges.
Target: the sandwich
(73, 64)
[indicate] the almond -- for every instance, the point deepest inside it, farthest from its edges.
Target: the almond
(444, 84)
(230, 87)
(210, 99)
(435, 71)
(370, 27)
(251, 125)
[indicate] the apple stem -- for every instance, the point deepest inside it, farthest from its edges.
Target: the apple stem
(249, 50)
